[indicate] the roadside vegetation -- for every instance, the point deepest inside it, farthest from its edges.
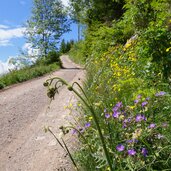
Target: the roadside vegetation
(40, 68)
(125, 119)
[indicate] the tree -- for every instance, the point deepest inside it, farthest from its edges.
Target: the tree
(46, 25)
(103, 11)
(65, 47)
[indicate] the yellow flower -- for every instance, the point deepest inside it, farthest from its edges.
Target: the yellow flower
(90, 118)
(168, 49)
(70, 105)
(79, 104)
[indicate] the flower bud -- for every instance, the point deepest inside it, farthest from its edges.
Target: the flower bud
(70, 88)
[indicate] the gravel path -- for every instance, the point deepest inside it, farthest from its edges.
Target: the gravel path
(24, 146)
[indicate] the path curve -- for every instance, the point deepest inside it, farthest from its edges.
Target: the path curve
(24, 146)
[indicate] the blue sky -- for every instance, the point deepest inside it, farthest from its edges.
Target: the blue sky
(13, 15)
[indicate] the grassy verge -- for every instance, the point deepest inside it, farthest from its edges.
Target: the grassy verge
(25, 74)
(76, 53)
(125, 117)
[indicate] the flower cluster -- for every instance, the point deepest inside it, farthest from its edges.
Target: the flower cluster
(139, 134)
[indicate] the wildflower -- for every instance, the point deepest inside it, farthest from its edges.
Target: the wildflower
(136, 101)
(74, 131)
(124, 125)
(152, 125)
(115, 109)
(120, 147)
(140, 117)
(168, 49)
(139, 96)
(116, 114)
(144, 103)
(87, 125)
(161, 93)
(90, 118)
(125, 121)
(144, 152)
(148, 98)
(119, 105)
(132, 141)
(107, 115)
(131, 152)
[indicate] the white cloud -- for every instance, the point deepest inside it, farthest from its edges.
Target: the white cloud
(5, 43)
(3, 26)
(5, 67)
(7, 34)
(32, 52)
(65, 2)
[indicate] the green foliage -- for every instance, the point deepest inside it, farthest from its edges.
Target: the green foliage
(77, 52)
(128, 77)
(52, 57)
(66, 46)
(141, 13)
(96, 10)
(46, 25)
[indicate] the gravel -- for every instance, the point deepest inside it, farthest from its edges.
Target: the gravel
(24, 112)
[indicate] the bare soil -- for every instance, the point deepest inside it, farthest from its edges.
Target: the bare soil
(24, 112)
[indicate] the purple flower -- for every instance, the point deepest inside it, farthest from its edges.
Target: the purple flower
(144, 152)
(74, 131)
(87, 125)
(120, 147)
(144, 103)
(152, 125)
(105, 110)
(131, 152)
(161, 93)
(116, 114)
(148, 98)
(119, 105)
(136, 101)
(139, 96)
(107, 115)
(124, 125)
(132, 141)
(140, 117)
(127, 120)
(115, 109)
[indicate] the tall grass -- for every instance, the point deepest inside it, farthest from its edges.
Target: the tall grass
(27, 73)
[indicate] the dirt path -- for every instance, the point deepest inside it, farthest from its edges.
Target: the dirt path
(24, 146)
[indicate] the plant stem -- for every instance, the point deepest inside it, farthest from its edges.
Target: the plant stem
(98, 128)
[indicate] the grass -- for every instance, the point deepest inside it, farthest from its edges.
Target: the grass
(76, 54)
(27, 73)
